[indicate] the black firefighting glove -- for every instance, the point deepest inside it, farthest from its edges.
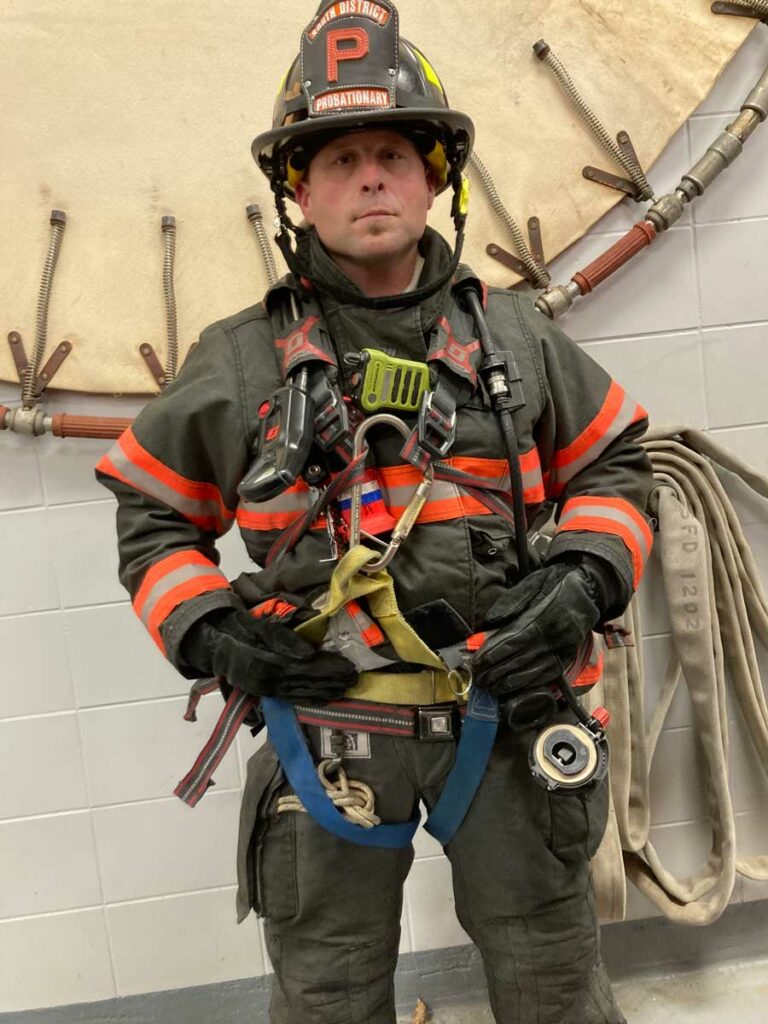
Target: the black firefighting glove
(542, 623)
(264, 658)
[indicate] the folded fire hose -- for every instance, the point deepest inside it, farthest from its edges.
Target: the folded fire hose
(717, 606)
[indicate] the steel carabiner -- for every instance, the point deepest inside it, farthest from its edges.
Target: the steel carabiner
(410, 513)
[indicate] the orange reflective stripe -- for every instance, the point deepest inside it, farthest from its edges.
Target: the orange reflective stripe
(369, 630)
(160, 569)
(173, 598)
(618, 412)
(170, 581)
(595, 430)
(476, 641)
(278, 513)
(613, 516)
(590, 674)
(446, 499)
(198, 501)
(272, 606)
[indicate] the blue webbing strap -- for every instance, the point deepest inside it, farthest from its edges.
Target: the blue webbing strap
(287, 738)
(477, 738)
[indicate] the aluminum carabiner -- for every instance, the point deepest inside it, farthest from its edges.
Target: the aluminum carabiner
(410, 513)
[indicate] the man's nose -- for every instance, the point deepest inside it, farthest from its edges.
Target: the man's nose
(371, 177)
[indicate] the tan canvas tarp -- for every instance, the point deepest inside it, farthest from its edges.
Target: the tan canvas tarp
(119, 113)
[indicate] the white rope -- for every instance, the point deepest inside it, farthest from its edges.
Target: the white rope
(354, 799)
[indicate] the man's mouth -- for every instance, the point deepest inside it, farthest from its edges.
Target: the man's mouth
(374, 213)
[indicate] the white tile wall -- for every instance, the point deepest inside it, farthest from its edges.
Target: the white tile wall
(731, 271)
(736, 373)
(164, 847)
(751, 445)
(168, 744)
(20, 481)
(749, 783)
(29, 583)
(35, 671)
(656, 653)
(114, 659)
(184, 939)
(663, 373)
(41, 766)
(677, 778)
(67, 467)
(47, 864)
(75, 530)
(55, 959)
(685, 329)
(739, 77)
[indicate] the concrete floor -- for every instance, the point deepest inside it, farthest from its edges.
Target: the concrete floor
(732, 994)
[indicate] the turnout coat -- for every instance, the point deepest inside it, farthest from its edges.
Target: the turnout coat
(175, 471)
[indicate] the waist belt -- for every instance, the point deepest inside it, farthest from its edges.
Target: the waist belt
(433, 722)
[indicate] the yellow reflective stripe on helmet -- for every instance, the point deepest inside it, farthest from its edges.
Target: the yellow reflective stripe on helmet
(283, 81)
(437, 161)
(464, 196)
(293, 175)
(429, 71)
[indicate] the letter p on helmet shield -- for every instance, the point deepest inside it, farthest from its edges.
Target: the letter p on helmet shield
(335, 37)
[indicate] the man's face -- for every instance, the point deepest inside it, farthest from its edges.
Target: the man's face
(367, 195)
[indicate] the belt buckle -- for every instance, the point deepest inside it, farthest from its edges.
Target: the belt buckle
(435, 724)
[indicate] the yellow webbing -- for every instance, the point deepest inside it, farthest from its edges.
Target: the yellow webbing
(349, 583)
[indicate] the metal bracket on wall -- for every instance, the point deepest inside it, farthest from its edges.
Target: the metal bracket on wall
(155, 366)
(613, 180)
(515, 264)
(50, 369)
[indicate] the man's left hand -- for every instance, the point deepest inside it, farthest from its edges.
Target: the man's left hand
(542, 623)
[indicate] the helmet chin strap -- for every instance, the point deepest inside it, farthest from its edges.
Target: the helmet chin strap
(299, 265)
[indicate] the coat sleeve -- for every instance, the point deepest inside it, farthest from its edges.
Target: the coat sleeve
(175, 473)
(595, 470)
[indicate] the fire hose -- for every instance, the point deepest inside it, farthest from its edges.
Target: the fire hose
(717, 605)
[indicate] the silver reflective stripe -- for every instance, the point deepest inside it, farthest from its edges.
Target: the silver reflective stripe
(562, 474)
(531, 478)
(398, 497)
(192, 508)
(166, 583)
(575, 509)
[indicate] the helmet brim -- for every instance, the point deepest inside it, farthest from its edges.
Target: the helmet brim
(266, 144)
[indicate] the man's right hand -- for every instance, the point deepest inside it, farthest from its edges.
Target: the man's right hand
(264, 658)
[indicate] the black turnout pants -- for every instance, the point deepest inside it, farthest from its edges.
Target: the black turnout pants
(521, 880)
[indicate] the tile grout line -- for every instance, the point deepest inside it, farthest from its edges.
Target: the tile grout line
(158, 898)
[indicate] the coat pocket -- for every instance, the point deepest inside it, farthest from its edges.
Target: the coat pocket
(264, 778)
(579, 818)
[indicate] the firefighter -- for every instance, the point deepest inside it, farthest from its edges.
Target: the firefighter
(363, 140)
